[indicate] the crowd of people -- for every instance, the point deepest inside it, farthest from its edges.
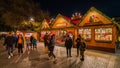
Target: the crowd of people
(17, 41)
(49, 42)
(81, 46)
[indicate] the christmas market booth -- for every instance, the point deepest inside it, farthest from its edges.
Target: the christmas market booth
(62, 26)
(28, 34)
(44, 28)
(98, 30)
(34, 34)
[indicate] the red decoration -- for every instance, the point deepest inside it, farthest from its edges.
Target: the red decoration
(75, 22)
(67, 18)
(48, 21)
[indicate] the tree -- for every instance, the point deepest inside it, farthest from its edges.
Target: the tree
(16, 11)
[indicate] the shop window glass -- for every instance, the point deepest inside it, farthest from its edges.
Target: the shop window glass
(60, 35)
(85, 33)
(103, 34)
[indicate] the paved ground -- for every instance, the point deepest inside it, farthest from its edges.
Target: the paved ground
(39, 59)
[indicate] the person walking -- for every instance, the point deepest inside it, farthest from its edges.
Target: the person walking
(68, 45)
(78, 43)
(9, 41)
(45, 39)
(46, 42)
(15, 40)
(20, 43)
(51, 47)
(82, 49)
(27, 44)
(34, 41)
(31, 43)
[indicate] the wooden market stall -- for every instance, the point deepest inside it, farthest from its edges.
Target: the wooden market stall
(44, 28)
(62, 26)
(28, 34)
(98, 31)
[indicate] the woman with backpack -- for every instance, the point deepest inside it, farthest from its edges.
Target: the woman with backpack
(82, 49)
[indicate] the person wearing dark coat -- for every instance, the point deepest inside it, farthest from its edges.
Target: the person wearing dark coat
(68, 45)
(78, 41)
(31, 43)
(51, 46)
(82, 49)
(15, 40)
(46, 39)
(9, 41)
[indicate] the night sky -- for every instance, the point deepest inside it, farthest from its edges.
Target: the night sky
(67, 7)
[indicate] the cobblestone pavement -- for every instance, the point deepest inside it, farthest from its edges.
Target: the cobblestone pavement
(39, 59)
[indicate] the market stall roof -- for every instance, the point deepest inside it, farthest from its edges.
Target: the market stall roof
(94, 17)
(67, 18)
(45, 24)
(61, 22)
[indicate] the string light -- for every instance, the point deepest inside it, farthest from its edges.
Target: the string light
(76, 16)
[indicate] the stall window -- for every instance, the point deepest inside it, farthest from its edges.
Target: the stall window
(60, 35)
(103, 34)
(85, 33)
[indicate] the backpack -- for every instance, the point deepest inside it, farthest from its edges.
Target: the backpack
(82, 46)
(15, 38)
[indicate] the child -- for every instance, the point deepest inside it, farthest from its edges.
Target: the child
(34, 43)
(27, 43)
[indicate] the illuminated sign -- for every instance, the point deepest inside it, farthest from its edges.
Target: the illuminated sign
(59, 25)
(28, 34)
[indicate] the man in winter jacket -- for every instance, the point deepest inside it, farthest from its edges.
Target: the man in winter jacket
(68, 45)
(9, 41)
(78, 41)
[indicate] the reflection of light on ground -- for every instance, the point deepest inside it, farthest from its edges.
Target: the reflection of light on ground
(93, 59)
(26, 63)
